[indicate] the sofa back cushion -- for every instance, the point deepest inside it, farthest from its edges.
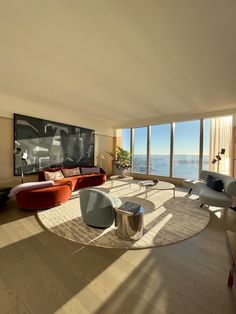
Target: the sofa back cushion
(53, 175)
(29, 186)
(89, 170)
(71, 172)
(215, 183)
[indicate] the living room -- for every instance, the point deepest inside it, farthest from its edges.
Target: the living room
(157, 79)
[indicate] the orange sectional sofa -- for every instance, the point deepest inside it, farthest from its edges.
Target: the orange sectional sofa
(45, 197)
(60, 192)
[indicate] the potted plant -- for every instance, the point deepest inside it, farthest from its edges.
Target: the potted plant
(121, 160)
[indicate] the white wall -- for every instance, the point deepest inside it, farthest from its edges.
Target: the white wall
(8, 105)
(40, 109)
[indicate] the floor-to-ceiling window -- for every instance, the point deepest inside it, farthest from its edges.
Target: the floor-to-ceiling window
(160, 150)
(181, 156)
(140, 150)
(186, 149)
(125, 139)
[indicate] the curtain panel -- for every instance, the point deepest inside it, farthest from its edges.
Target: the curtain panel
(221, 137)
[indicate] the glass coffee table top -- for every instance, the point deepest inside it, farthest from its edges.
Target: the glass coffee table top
(127, 179)
(161, 185)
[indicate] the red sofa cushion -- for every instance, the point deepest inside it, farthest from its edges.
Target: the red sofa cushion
(43, 198)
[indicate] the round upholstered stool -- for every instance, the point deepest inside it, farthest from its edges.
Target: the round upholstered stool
(44, 198)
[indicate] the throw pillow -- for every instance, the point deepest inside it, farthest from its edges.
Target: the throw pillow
(29, 186)
(71, 172)
(90, 170)
(215, 183)
(53, 175)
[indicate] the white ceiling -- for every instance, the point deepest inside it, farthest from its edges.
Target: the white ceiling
(124, 62)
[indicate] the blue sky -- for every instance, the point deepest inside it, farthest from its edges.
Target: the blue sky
(186, 138)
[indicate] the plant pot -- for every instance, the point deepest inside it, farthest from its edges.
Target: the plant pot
(116, 171)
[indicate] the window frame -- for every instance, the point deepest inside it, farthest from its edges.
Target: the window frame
(149, 141)
(172, 139)
(132, 147)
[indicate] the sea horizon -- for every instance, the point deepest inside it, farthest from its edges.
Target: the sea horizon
(184, 165)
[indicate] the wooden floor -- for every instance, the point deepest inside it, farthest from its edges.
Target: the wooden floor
(43, 273)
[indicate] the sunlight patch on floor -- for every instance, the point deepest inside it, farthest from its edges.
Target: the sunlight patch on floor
(216, 211)
(218, 214)
(157, 227)
(153, 215)
(122, 278)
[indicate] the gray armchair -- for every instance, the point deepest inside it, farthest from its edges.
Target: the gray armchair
(97, 207)
(209, 196)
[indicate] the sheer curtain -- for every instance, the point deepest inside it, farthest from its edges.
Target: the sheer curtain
(221, 134)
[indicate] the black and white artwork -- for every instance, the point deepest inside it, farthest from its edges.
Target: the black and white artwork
(50, 144)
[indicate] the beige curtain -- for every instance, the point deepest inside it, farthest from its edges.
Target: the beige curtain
(118, 137)
(221, 137)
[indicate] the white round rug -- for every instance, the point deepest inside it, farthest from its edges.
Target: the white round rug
(166, 219)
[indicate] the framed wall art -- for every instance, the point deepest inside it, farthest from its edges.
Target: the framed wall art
(50, 144)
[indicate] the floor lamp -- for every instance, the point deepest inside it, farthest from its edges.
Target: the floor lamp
(218, 158)
(24, 160)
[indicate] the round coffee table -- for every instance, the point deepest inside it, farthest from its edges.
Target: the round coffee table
(127, 179)
(161, 185)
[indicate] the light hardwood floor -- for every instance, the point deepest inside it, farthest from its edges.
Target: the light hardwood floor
(43, 273)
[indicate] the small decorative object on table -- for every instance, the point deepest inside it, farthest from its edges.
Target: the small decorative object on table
(147, 183)
(130, 221)
(129, 208)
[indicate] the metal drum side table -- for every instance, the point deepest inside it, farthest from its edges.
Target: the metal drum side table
(130, 223)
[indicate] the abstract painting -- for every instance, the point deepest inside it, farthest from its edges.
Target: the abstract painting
(51, 144)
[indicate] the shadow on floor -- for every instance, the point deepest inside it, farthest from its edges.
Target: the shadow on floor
(9, 212)
(48, 271)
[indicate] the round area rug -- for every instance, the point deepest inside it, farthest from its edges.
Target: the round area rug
(166, 220)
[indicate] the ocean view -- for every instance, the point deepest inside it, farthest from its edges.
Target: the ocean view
(184, 166)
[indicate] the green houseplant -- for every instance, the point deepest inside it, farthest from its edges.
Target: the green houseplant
(121, 159)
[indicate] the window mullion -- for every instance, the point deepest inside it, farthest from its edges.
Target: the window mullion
(201, 146)
(171, 148)
(148, 149)
(132, 146)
